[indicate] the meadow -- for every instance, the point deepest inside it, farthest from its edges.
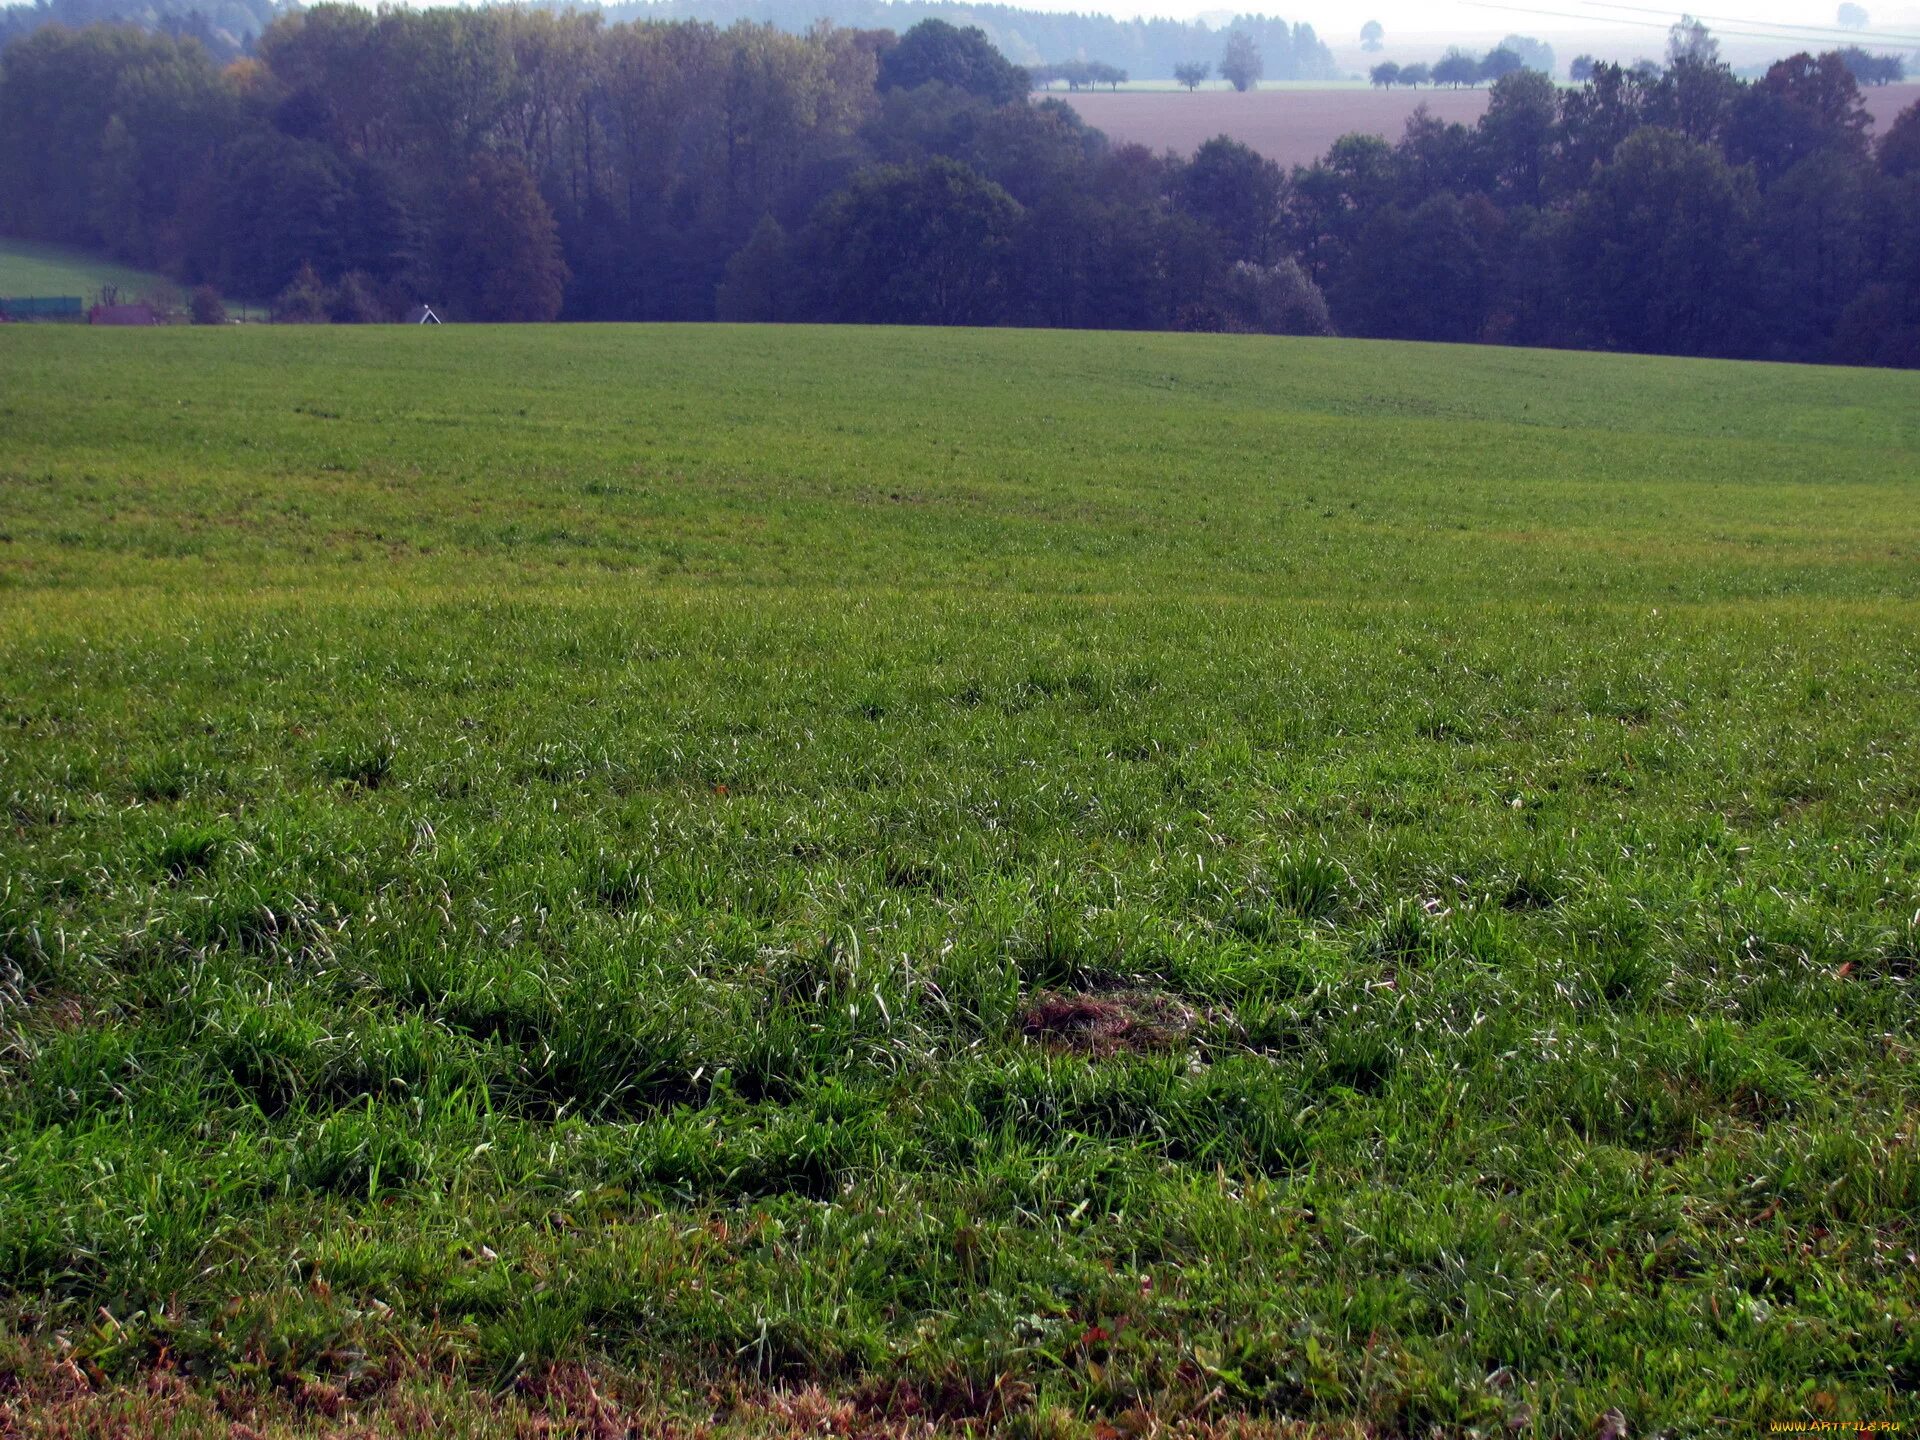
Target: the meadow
(770, 881)
(29, 268)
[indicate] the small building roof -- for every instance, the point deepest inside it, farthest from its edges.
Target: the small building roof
(422, 315)
(122, 315)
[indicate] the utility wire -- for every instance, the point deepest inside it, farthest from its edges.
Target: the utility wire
(1835, 31)
(1644, 24)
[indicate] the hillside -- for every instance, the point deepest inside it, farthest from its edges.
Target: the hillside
(776, 881)
(28, 268)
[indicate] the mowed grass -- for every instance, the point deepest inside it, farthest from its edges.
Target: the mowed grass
(30, 268)
(797, 879)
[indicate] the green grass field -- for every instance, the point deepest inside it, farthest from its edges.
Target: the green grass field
(804, 881)
(32, 269)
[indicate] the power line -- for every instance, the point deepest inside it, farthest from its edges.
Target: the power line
(1644, 24)
(1832, 31)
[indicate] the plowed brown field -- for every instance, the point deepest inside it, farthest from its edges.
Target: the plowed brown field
(1295, 127)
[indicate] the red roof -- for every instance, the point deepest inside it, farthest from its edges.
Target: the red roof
(122, 315)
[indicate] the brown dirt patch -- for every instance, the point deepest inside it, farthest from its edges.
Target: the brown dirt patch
(1295, 127)
(1107, 1024)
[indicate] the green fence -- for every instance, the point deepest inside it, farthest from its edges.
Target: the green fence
(42, 307)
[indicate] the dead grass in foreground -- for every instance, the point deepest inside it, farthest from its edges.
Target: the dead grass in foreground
(58, 1401)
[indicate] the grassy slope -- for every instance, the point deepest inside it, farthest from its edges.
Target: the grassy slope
(535, 845)
(30, 268)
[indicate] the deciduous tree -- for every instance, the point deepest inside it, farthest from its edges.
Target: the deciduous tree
(1241, 65)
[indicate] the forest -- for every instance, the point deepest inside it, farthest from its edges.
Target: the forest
(520, 164)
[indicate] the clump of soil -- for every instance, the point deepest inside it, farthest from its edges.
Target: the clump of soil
(1106, 1024)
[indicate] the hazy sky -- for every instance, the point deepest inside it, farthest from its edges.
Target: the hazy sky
(1452, 16)
(1639, 26)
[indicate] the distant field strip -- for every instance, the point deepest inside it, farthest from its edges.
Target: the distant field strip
(1296, 125)
(819, 881)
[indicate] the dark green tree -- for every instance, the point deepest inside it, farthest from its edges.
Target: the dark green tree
(1516, 135)
(927, 244)
(206, 306)
(305, 301)
(935, 52)
(284, 204)
(1802, 105)
(1239, 195)
(1664, 248)
(759, 284)
(1899, 151)
(503, 259)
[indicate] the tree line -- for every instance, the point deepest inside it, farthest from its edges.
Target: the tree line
(1458, 67)
(511, 164)
(1146, 49)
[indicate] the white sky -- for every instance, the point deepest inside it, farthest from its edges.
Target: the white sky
(1428, 17)
(1634, 26)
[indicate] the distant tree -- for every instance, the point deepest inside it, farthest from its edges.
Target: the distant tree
(1689, 39)
(923, 244)
(1238, 194)
(282, 205)
(1417, 74)
(1899, 152)
(1101, 73)
(162, 297)
(1698, 99)
(206, 306)
(965, 59)
(1328, 202)
(356, 300)
(1241, 64)
(1644, 70)
(1852, 16)
(1816, 253)
(758, 278)
(1371, 36)
(1517, 133)
(1664, 245)
(304, 301)
(1872, 331)
(1497, 64)
(1276, 299)
(1581, 70)
(1456, 68)
(1435, 156)
(1534, 54)
(1800, 107)
(504, 262)
(1420, 274)
(1192, 72)
(1873, 69)
(1385, 75)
